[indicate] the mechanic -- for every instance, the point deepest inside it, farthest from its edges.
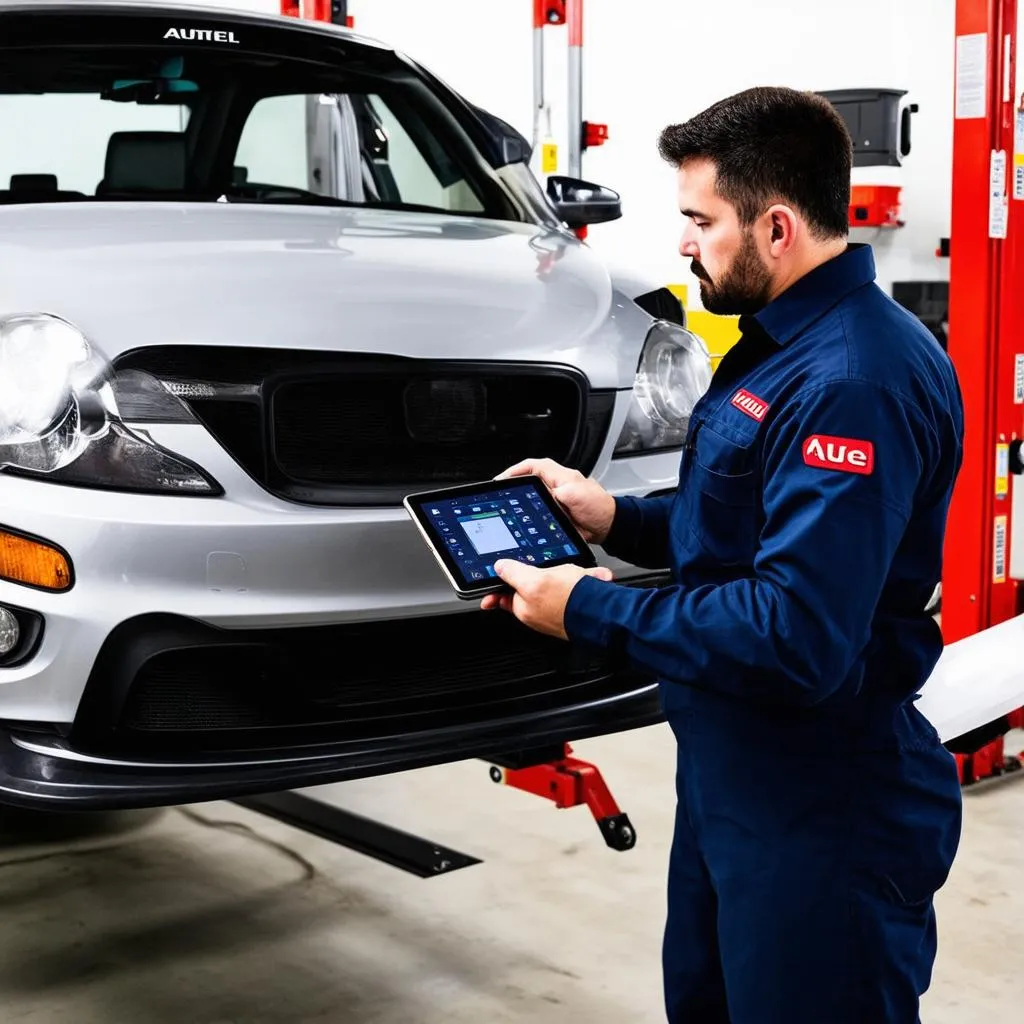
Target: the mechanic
(817, 810)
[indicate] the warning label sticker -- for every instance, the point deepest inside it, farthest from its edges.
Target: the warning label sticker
(1018, 379)
(997, 203)
(1018, 156)
(999, 552)
(1002, 470)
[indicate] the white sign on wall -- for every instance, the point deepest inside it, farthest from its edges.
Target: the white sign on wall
(971, 75)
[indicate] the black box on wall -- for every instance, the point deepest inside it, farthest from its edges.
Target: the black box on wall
(878, 122)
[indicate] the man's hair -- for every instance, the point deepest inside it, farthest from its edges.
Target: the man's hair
(773, 145)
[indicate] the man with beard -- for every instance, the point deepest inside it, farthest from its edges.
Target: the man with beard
(817, 811)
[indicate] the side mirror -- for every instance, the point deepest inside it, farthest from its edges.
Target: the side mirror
(580, 203)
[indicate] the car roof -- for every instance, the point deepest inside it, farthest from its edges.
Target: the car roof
(175, 9)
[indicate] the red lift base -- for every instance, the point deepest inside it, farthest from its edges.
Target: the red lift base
(987, 763)
(568, 782)
(991, 760)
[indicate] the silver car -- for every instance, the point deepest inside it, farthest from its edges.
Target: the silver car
(260, 278)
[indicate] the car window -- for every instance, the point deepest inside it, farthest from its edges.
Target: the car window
(282, 116)
(394, 155)
(272, 149)
(64, 138)
(415, 180)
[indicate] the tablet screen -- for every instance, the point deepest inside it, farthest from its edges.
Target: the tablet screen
(475, 528)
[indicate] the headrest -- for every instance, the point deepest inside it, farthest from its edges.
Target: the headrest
(145, 160)
(33, 182)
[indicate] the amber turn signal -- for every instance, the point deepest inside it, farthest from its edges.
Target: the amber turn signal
(33, 563)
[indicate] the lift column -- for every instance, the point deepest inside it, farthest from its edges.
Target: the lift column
(333, 11)
(986, 314)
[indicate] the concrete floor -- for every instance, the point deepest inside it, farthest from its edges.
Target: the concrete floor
(158, 917)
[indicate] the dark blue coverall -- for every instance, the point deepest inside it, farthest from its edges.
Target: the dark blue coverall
(817, 810)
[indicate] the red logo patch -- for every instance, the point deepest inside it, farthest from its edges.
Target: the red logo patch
(843, 453)
(753, 406)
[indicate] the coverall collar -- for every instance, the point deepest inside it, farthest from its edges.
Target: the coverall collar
(810, 298)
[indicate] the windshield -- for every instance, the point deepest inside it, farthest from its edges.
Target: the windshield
(183, 122)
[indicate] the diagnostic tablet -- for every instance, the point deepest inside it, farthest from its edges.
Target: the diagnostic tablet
(470, 527)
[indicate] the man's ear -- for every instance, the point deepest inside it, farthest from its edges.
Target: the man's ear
(784, 226)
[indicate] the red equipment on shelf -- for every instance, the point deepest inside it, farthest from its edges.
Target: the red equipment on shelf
(875, 206)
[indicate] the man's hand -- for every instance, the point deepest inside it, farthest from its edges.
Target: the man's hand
(589, 505)
(539, 595)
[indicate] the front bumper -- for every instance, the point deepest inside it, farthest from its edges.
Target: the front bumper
(42, 771)
(247, 560)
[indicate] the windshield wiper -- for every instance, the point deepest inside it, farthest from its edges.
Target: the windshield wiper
(301, 197)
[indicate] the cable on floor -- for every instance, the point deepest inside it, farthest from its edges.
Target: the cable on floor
(240, 827)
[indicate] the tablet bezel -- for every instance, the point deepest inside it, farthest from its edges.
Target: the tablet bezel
(469, 590)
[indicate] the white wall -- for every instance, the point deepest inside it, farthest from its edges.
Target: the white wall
(663, 62)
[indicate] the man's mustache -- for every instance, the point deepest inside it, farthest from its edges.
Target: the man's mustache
(699, 272)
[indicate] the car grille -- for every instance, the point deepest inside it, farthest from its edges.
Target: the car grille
(341, 429)
(165, 680)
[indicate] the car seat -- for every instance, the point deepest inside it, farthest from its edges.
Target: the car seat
(143, 162)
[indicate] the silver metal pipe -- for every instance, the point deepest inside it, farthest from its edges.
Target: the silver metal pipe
(538, 82)
(575, 110)
(574, 18)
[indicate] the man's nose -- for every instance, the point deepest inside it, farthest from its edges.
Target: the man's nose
(688, 244)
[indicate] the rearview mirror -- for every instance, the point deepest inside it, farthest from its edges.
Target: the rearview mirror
(580, 203)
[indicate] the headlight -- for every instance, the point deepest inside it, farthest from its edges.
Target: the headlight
(53, 391)
(64, 414)
(673, 374)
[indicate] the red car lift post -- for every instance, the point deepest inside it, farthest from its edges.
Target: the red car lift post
(332, 11)
(583, 135)
(986, 330)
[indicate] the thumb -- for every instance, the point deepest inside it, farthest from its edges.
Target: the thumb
(514, 573)
(602, 572)
(564, 493)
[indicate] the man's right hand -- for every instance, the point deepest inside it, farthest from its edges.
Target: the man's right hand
(589, 505)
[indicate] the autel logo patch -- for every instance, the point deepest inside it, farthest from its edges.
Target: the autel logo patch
(201, 35)
(842, 453)
(750, 404)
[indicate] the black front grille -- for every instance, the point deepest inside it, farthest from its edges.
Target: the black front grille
(273, 685)
(334, 428)
(162, 679)
(421, 431)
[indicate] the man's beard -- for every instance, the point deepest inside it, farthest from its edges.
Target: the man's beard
(744, 288)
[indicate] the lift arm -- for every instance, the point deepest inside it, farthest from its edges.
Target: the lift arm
(570, 782)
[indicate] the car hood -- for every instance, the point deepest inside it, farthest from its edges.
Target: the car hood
(337, 279)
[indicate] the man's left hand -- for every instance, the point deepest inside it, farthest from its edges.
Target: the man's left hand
(539, 594)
